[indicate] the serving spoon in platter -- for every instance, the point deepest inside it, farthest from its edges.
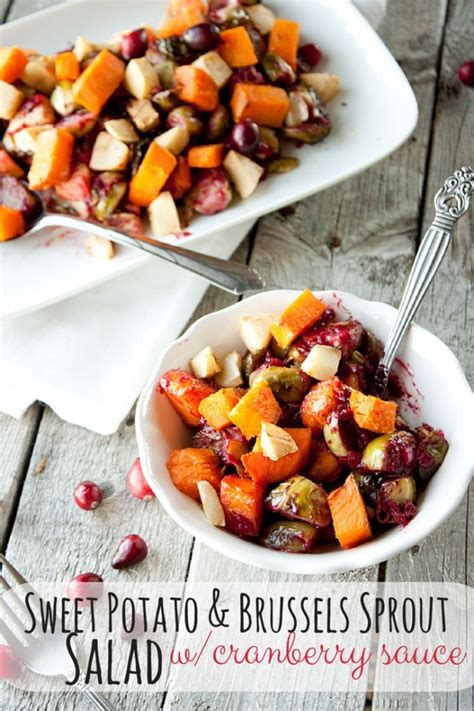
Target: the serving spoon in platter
(228, 275)
(451, 202)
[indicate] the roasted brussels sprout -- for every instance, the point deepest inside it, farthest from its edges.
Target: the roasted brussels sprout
(279, 72)
(188, 118)
(268, 145)
(165, 100)
(227, 14)
(289, 536)
(252, 361)
(166, 72)
(430, 452)
(310, 132)
(287, 384)
(396, 501)
(174, 48)
(258, 41)
(369, 486)
(283, 165)
(302, 499)
(138, 153)
(399, 490)
(393, 453)
(334, 436)
(218, 124)
(108, 189)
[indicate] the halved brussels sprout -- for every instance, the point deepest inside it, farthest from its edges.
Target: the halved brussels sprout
(399, 490)
(277, 70)
(396, 502)
(334, 437)
(252, 361)
(310, 132)
(289, 536)
(392, 453)
(107, 191)
(218, 124)
(187, 117)
(302, 499)
(430, 452)
(166, 72)
(283, 165)
(287, 384)
(174, 48)
(369, 486)
(268, 144)
(165, 100)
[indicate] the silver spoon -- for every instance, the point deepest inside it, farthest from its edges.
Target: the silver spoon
(230, 276)
(451, 203)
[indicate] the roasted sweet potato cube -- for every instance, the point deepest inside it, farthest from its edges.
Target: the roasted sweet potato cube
(216, 407)
(242, 501)
(196, 87)
(349, 515)
(236, 47)
(265, 104)
(12, 223)
(258, 405)
(99, 81)
(12, 62)
(373, 414)
(52, 159)
(8, 165)
(185, 392)
(319, 403)
(189, 466)
(265, 471)
(300, 315)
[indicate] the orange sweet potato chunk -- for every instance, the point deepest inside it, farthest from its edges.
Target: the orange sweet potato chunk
(66, 66)
(210, 156)
(187, 467)
(265, 471)
(284, 40)
(319, 403)
(258, 405)
(373, 414)
(349, 515)
(185, 393)
(182, 14)
(180, 182)
(216, 407)
(12, 62)
(300, 315)
(194, 86)
(98, 82)
(12, 223)
(236, 48)
(8, 165)
(52, 159)
(242, 501)
(323, 465)
(151, 176)
(264, 104)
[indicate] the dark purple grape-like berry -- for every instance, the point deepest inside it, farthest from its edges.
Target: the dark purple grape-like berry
(310, 54)
(134, 44)
(202, 38)
(245, 136)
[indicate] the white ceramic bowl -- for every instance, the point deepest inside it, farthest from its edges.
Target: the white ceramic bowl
(445, 401)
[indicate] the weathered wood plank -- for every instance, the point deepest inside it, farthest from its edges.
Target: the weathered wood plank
(448, 312)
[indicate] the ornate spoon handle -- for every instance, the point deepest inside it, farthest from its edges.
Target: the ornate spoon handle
(451, 203)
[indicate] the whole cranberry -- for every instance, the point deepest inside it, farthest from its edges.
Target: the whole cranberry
(136, 482)
(245, 136)
(310, 54)
(10, 667)
(134, 44)
(466, 73)
(131, 549)
(83, 586)
(87, 495)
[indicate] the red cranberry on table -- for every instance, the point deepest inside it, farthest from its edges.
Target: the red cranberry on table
(131, 549)
(134, 44)
(245, 136)
(85, 585)
(87, 495)
(136, 482)
(466, 73)
(10, 667)
(202, 38)
(310, 54)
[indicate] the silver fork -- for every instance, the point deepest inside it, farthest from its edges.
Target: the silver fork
(44, 654)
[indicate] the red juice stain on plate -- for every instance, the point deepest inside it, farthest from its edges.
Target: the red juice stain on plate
(410, 395)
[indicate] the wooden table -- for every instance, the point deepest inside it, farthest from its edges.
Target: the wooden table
(359, 236)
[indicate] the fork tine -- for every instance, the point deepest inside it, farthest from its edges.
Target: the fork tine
(17, 577)
(11, 639)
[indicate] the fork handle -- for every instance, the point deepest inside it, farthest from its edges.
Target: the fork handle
(97, 698)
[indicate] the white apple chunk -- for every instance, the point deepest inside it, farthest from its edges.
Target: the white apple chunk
(326, 85)
(322, 362)
(108, 153)
(244, 173)
(276, 442)
(163, 215)
(143, 114)
(140, 78)
(62, 98)
(231, 373)
(99, 247)
(255, 331)
(25, 140)
(205, 363)
(174, 140)
(82, 47)
(211, 504)
(11, 99)
(213, 64)
(122, 130)
(262, 17)
(38, 74)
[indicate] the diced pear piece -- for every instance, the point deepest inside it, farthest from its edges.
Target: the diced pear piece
(211, 504)
(39, 75)
(276, 442)
(231, 373)
(163, 215)
(243, 172)
(140, 78)
(326, 85)
(62, 98)
(322, 362)
(213, 64)
(11, 99)
(262, 17)
(108, 153)
(205, 364)
(143, 114)
(174, 140)
(25, 140)
(82, 47)
(255, 331)
(122, 130)
(99, 247)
